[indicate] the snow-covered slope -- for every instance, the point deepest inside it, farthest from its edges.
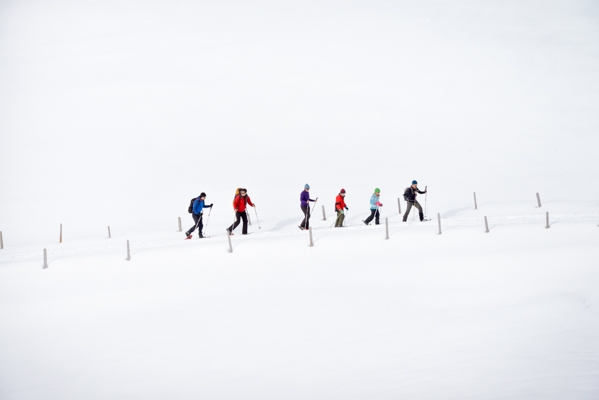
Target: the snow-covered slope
(117, 113)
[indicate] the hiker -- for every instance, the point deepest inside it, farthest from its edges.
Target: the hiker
(305, 206)
(198, 205)
(239, 205)
(339, 208)
(410, 196)
(374, 207)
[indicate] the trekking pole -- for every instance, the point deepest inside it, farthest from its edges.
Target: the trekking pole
(425, 193)
(207, 220)
(311, 211)
(257, 219)
(335, 221)
(230, 232)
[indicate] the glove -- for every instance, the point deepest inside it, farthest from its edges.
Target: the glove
(378, 203)
(211, 204)
(347, 208)
(341, 210)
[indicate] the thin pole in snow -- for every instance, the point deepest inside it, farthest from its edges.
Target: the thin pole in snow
(439, 219)
(229, 238)
(45, 259)
(109, 236)
(486, 225)
(180, 228)
(324, 215)
(60, 233)
(1, 241)
(399, 205)
(311, 240)
(386, 228)
(128, 251)
(539, 200)
(475, 205)
(547, 220)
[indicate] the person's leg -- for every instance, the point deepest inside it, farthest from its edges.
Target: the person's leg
(244, 216)
(370, 217)
(377, 217)
(339, 220)
(408, 208)
(193, 228)
(200, 226)
(236, 223)
(307, 226)
(304, 221)
(419, 207)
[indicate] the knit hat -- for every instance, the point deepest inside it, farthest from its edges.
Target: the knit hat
(377, 190)
(306, 186)
(414, 183)
(202, 194)
(342, 191)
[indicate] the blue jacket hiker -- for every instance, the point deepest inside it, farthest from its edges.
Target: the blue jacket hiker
(305, 206)
(374, 207)
(198, 206)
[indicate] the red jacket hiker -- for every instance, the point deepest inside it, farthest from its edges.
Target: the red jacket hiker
(339, 202)
(240, 202)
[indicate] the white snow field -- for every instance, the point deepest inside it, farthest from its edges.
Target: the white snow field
(118, 113)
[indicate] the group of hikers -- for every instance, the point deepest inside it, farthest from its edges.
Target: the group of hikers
(242, 200)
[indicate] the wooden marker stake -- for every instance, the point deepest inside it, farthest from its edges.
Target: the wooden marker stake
(439, 219)
(180, 229)
(230, 245)
(109, 235)
(324, 215)
(475, 205)
(45, 259)
(60, 233)
(486, 225)
(386, 228)
(539, 200)
(311, 240)
(399, 205)
(1, 241)
(128, 251)
(547, 220)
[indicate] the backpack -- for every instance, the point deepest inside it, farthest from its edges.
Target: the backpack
(405, 194)
(245, 199)
(236, 194)
(190, 209)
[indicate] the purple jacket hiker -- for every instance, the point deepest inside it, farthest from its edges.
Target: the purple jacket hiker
(305, 206)
(305, 198)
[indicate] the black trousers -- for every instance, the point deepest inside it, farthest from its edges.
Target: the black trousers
(373, 214)
(198, 223)
(415, 204)
(240, 216)
(306, 222)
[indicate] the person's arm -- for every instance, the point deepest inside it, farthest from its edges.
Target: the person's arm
(249, 201)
